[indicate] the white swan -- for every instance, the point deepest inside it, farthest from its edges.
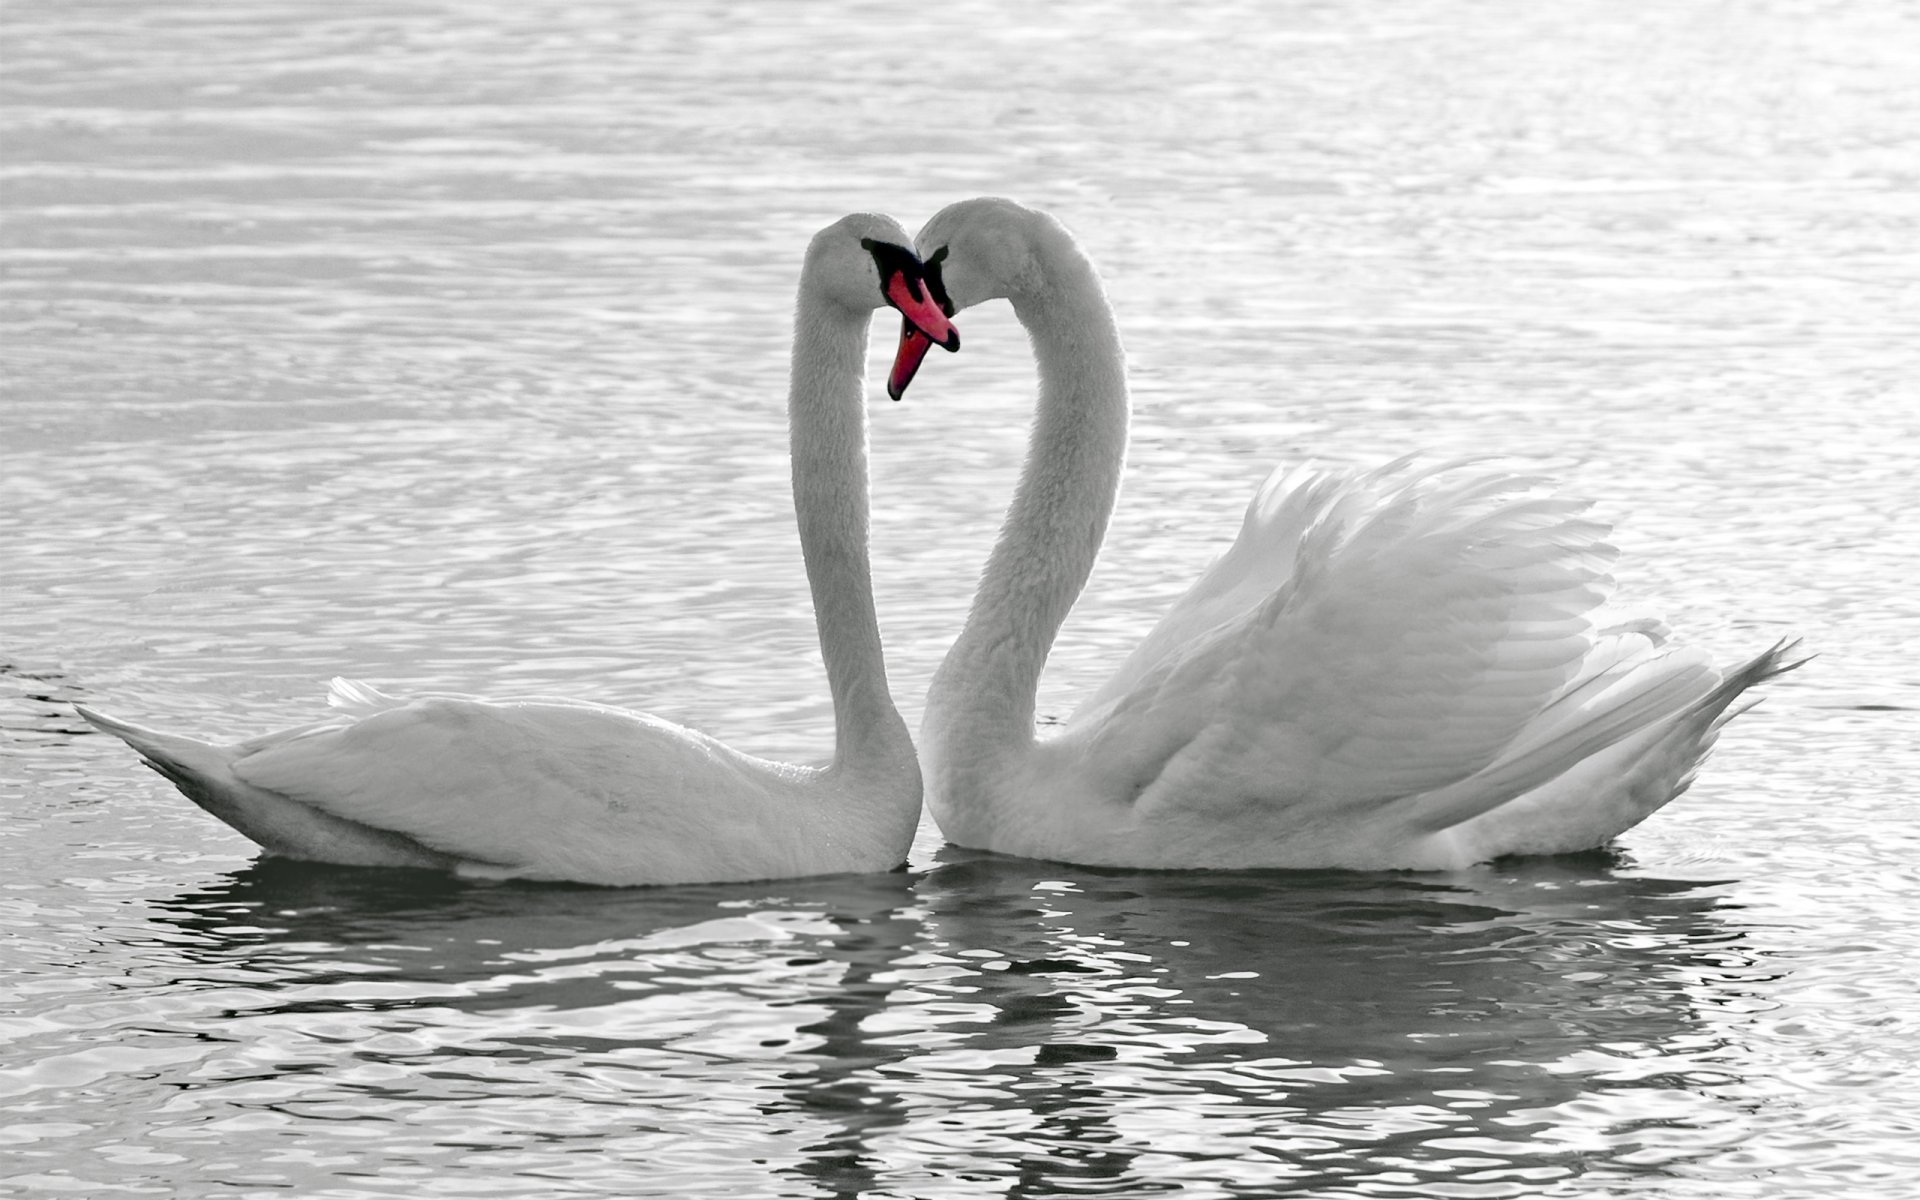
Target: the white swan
(1387, 670)
(559, 790)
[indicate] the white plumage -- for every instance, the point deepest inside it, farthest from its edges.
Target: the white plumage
(563, 790)
(1391, 669)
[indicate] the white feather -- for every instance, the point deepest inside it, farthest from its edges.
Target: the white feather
(555, 789)
(1396, 668)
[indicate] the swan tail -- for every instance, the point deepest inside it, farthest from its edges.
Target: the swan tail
(1694, 736)
(1770, 664)
(204, 773)
(1564, 795)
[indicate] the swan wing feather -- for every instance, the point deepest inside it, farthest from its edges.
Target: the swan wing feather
(1424, 618)
(536, 788)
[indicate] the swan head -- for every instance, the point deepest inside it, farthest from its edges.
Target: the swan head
(987, 248)
(866, 261)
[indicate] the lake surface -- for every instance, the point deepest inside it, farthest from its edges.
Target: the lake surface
(444, 345)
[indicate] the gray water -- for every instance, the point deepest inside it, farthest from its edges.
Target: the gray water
(444, 344)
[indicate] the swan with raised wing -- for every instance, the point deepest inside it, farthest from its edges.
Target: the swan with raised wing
(1391, 669)
(560, 790)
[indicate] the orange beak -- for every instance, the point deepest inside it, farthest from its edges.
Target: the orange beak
(906, 360)
(907, 285)
(923, 323)
(915, 301)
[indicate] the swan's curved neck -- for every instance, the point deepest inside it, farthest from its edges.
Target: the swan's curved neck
(827, 421)
(983, 696)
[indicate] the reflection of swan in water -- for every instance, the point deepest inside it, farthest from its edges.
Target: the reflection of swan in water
(726, 1015)
(1337, 1027)
(477, 947)
(1045, 1024)
(557, 789)
(1395, 669)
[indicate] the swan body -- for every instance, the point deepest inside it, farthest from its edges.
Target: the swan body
(564, 790)
(1399, 668)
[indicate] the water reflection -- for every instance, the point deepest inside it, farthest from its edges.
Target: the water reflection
(714, 1032)
(1330, 1027)
(1046, 1027)
(480, 947)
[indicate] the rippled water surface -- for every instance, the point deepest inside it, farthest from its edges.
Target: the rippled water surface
(444, 345)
